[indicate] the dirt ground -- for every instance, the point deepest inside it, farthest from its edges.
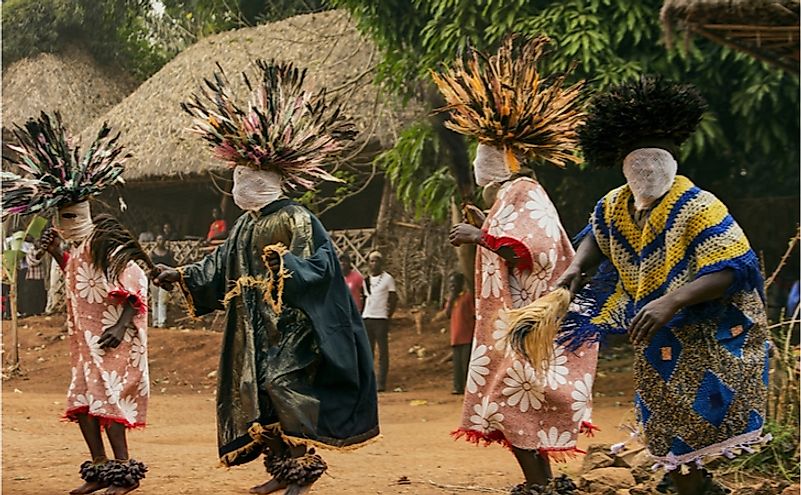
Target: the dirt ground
(415, 455)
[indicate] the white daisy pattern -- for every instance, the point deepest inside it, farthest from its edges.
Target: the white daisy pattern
(503, 221)
(128, 407)
(139, 353)
(557, 371)
(523, 287)
(88, 400)
(90, 283)
(487, 416)
(543, 212)
(113, 383)
(542, 273)
(92, 342)
(478, 368)
(522, 387)
(552, 439)
(490, 275)
(501, 329)
(582, 395)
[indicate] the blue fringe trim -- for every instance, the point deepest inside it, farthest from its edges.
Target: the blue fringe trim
(587, 230)
(747, 274)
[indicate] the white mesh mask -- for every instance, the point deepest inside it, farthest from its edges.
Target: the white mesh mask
(649, 173)
(489, 166)
(255, 189)
(74, 222)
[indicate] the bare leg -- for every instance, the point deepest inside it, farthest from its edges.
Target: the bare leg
(536, 468)
(90, 428)
(117, 437)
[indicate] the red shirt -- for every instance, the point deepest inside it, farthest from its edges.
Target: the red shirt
(355, 281)
(463, 319)
(216, 227)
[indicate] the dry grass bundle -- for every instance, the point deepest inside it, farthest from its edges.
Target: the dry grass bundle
(337, 57)
(70, 82)
(534, 327)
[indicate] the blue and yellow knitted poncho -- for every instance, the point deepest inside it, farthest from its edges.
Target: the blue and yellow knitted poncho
(701, 381)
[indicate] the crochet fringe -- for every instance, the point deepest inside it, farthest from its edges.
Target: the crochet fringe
(556, 454)
(731, 448)
(71, 415)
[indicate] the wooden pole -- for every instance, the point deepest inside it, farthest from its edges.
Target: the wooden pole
(12, 296)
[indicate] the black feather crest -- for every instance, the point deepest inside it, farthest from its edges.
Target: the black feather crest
(648, 110)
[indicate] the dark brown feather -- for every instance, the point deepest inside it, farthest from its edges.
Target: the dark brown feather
(112, 247)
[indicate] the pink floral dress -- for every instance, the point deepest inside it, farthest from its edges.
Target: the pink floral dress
(506, 401)
(110, 384)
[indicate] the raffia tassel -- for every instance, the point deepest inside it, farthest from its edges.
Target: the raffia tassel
(534, 328)
(275, 281)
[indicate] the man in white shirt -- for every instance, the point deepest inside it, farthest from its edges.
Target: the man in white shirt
(381, 299)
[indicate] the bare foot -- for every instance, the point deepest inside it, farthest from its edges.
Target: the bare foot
(297, 489)
(89, 487)
(120, 490)
(271, 486)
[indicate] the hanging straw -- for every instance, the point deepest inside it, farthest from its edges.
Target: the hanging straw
(533, 328)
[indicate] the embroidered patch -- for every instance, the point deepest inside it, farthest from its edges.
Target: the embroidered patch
(667, 353)
(736, 330)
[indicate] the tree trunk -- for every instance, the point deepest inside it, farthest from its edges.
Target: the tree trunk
(466, 253)
(12, 297)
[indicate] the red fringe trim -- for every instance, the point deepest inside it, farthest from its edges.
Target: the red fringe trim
(476, 437)
(65, 257)
(118, 295)
(588, 428)
(556, 454)
(523, 255)
(71, 415)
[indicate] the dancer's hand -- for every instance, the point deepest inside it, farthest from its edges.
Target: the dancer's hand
(112, 336)
(653, 316)
(167, 277)
(463, 233)
(273, 261)
(50, 241)
(571, 279)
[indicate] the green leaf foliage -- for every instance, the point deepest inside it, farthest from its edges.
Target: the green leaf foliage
(747, 145)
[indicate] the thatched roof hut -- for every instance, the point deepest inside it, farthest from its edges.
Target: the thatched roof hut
(327, 44)
(70, 81)
(768, 30)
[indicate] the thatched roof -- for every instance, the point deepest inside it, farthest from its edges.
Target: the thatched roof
(69, 81)
(338, 58)
(766, 29)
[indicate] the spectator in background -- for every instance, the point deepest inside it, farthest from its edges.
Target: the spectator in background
(161, 254)
(147, 236)
(353, 279)
(218, 230)
(381, 299)
(34, 298)
(461, 310)
(168, 233)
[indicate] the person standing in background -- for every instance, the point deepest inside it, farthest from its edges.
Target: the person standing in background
(381, 300)
(161, 254)
(218, 230)
(353, 279)
(461, 310)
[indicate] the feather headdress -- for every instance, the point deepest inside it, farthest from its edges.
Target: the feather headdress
(54, 174)
(648, 112)
(282, 127)
(504, 101)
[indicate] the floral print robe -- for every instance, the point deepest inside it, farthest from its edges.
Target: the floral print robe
(505, 400)
(110, 384)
